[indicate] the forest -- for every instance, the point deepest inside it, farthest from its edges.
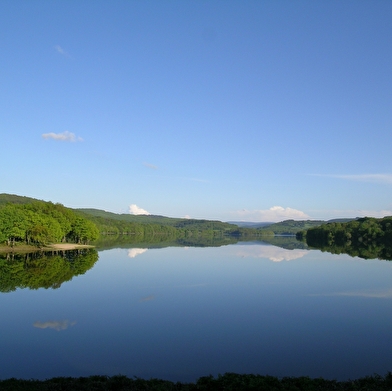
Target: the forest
(365, 237)
(39, 223)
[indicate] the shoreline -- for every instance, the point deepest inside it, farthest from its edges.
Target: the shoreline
(25, 248)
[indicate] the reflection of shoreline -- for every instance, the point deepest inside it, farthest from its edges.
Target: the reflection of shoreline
(44, 269)
(273, 253)
(67, 246)
(133, 252)
(54, 324)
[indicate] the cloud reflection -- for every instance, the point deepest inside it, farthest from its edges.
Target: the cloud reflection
(147, 298)
(133, 252)
(273, 253)
(54, 324)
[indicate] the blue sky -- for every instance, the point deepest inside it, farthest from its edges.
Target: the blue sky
(229, 110)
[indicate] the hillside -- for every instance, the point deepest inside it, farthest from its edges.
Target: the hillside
(291, 227)
(113, 223)
(101, 216)
(250, 224)
(147, 219)
(129, 218)
(15, 199)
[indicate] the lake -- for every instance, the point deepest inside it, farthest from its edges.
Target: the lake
(178, 313)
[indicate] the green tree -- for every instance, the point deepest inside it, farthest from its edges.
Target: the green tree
(83, 231)
(13, 224)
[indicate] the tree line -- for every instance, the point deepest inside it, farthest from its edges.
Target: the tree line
(360, 231)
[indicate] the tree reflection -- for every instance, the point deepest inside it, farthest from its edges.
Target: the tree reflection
(368, 251)
(43, 270)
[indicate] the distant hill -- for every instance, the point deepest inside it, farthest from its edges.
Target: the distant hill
(249, 224)
(342, 220)
(15, 199)
(291, 227)
(148, 219)
(160, 220)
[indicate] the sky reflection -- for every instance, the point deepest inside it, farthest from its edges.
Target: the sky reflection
(185, 313)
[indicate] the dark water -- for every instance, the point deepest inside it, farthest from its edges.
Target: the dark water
(179, 313)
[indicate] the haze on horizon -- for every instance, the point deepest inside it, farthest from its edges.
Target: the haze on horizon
(237, 111)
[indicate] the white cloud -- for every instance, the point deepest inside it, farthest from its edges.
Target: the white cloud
(135, 210)
(65, 136)
(372, 178)
(274, 214)
(61, 51)
(54, 324)
(133, 252)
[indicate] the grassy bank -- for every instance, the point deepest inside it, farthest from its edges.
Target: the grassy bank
(227, 382)
(22, 248)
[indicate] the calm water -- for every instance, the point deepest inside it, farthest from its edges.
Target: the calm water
(179, 313)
